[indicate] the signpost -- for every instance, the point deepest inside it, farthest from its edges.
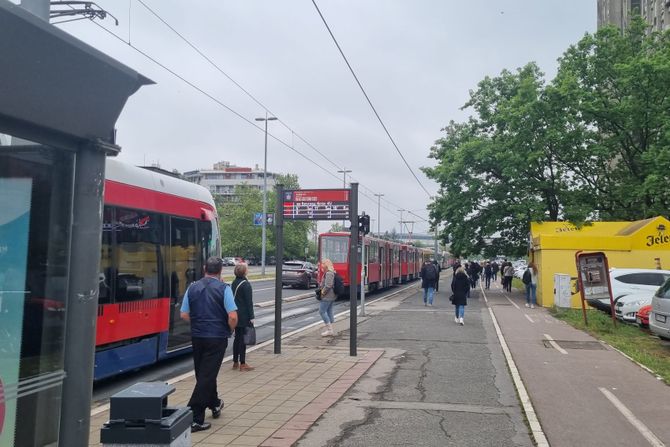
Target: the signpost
(318, 204)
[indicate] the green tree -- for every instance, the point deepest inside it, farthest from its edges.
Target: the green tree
(617, 83)
(239, 237)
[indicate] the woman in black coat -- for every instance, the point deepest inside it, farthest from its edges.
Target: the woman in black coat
(460, 286)
(245, 316)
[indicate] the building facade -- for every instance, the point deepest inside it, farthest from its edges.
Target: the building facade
(619, 13)
(222, 179)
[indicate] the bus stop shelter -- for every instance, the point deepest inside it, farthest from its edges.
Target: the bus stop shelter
(643, 244)
(59, 102)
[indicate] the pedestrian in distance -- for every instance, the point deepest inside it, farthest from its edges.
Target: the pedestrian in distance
(328, 297)
(460, 286)
(530, 280)
(209, 305)
(488, 274)
(242, 292)
(438, 270)
(428, 280)
(494, 271)
(509, 274)
(473, 273)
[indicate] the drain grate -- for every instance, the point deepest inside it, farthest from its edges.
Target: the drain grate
(570, 344)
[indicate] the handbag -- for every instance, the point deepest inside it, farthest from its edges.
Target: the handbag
(317, 292)
(249, 335)
(451, 298)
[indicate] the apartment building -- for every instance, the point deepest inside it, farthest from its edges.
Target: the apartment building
(222, 179)
(619, 13)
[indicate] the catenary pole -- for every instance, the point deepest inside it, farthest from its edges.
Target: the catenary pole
(363, 271)
(279, 257)
(379, 218)
(354, 252)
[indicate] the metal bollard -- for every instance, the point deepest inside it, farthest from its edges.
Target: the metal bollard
(139, 417)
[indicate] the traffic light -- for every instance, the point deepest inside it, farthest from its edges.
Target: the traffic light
(364, 224)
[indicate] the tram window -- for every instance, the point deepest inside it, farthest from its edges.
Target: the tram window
(373, 252)
(139, 257)
(335, 248)
(105, 277)
(184, 256)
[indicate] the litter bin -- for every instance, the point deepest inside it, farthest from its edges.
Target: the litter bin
(139, 416)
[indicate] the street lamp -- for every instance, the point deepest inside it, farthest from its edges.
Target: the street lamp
(265, 192)
(379, 218)
(344, 172)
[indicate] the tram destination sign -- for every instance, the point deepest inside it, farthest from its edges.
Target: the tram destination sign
(316, 204)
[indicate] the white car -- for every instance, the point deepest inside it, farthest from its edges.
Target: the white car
(627, 306)
(659, 317)
(631, 281)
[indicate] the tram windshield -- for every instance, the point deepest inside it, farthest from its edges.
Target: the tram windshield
(335, 248)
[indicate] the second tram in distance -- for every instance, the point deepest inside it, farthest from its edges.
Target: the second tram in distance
(386, 263)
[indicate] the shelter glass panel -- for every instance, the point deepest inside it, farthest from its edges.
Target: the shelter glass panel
(36, 189)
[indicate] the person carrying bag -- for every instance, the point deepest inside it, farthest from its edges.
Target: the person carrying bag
(245, 332)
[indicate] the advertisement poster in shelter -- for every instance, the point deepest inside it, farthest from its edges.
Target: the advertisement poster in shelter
(14, 225)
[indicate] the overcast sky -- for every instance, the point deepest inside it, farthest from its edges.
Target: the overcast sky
(417, 60)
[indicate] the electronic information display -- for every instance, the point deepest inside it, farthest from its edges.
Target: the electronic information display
(316, 204)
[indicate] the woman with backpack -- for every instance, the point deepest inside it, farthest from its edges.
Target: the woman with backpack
(245, 313)
(328, 297)
(428, 281)
(530, 280)
(460, 286)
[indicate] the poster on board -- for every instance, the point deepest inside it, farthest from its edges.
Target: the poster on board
(14, 225)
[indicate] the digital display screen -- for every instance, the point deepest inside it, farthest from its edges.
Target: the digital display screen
(316, 204)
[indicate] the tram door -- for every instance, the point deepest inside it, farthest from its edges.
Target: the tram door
(182, 268)
(382, 268)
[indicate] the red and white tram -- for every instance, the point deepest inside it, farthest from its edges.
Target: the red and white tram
(386, 263)
(157, 233)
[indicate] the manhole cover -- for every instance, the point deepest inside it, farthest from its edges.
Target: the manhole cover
(569, 344)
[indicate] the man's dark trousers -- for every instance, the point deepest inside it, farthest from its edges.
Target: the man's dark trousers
(208, 354)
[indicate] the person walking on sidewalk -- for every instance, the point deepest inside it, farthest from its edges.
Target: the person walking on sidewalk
(530, 280)
(488, 273)
(460, 286)
(494, 271)
(210, 307)
(438, 270)
(428, 280)
(245, 316)
(509, 274)
(328, 297)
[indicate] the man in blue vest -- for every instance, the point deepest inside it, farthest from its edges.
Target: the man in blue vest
(209, 305)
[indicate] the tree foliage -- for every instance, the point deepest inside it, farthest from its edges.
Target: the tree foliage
(239, 237)
(591, 144)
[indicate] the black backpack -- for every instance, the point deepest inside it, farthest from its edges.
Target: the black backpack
(526, 279)
(338, 285)
(431, 272)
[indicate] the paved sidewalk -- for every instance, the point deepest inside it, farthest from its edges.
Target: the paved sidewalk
(584, 392)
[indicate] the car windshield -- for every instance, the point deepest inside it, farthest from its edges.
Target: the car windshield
(335, 248)
(664, 290)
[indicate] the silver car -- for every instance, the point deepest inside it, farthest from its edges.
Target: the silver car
(659, 317)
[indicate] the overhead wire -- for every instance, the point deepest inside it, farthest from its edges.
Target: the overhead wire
(230, 78)
(231, 110)
(353, 73)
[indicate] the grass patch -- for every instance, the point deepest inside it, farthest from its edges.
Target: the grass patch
(518, 284)
(629, 339)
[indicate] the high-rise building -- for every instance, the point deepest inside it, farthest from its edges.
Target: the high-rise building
(619, 13)
(222, 179)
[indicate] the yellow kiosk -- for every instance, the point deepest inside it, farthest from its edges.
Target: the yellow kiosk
(641, 244)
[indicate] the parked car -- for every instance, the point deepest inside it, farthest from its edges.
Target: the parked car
(229, 261)
(299, 273)
(627, 306)
(659, 318)
(642, 318)
(630, 281)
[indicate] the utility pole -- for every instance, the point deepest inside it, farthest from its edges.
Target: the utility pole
(401, 211)
(265, 195)
(344, 172)
(379, 218)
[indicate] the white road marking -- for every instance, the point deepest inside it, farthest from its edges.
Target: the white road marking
(531, 416)
(555, 345)
(513, 303)
(635, 422)
(528, 318)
